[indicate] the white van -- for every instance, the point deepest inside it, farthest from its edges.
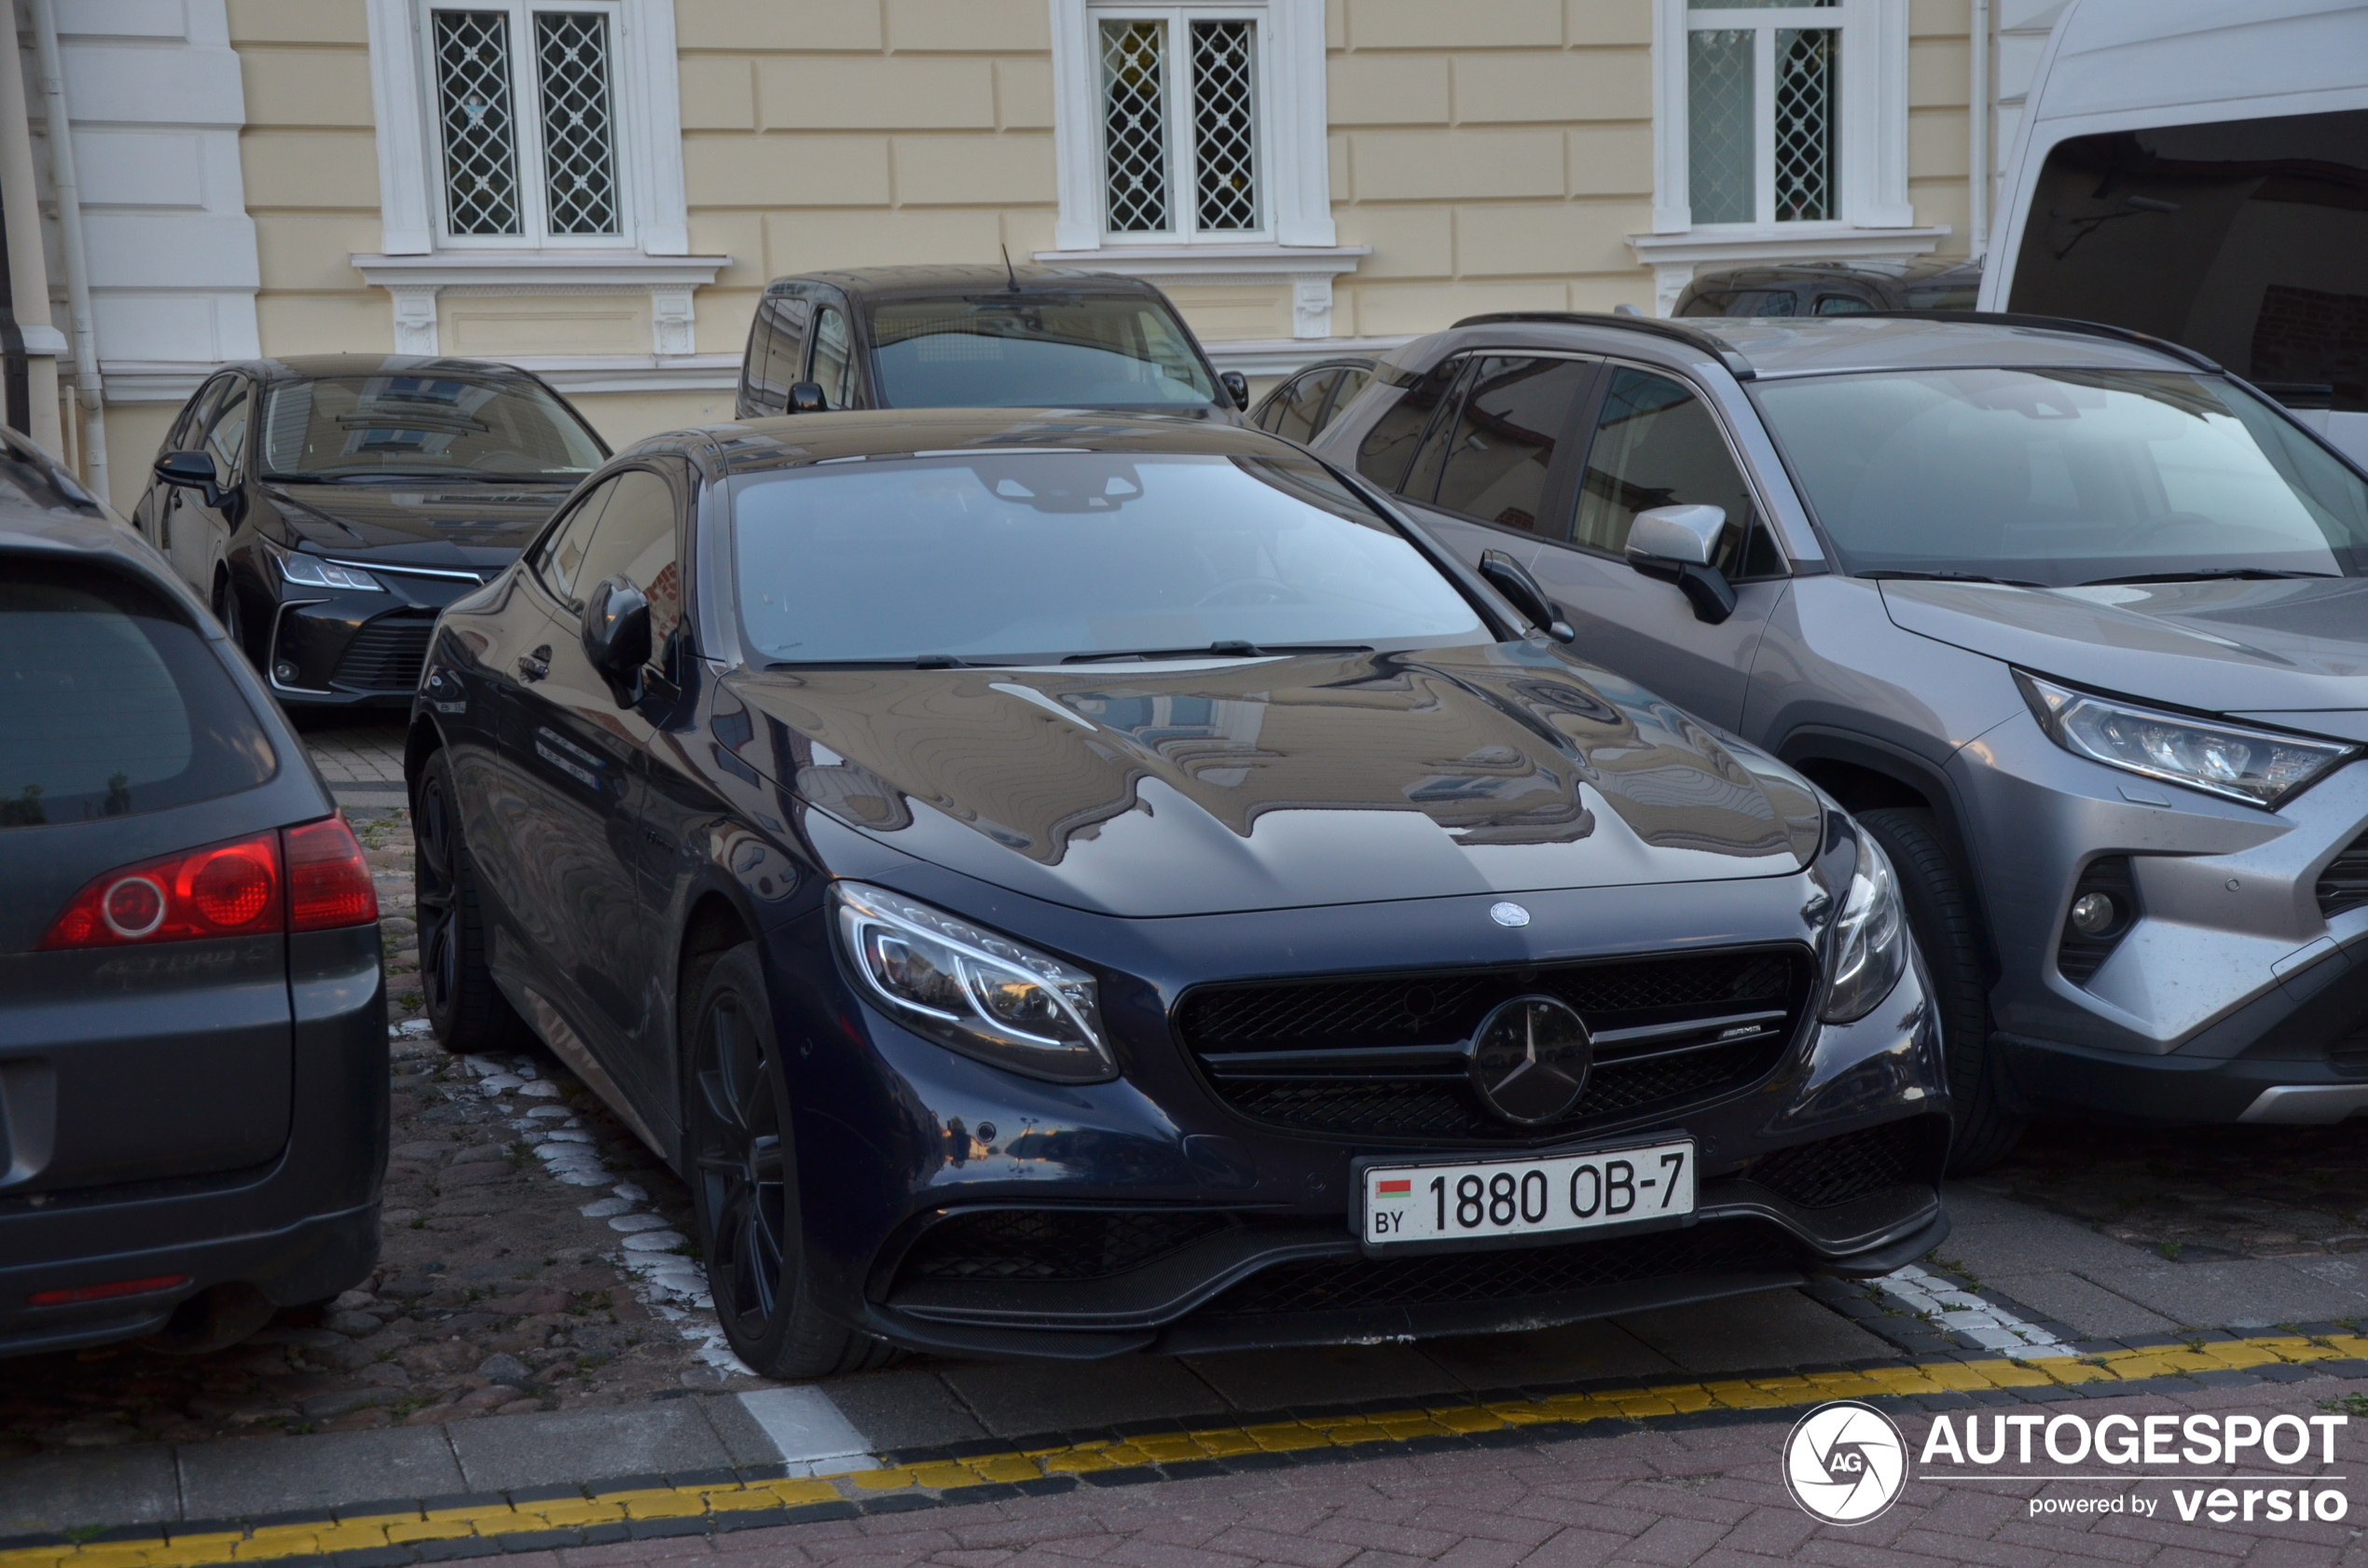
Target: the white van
(2198, 170)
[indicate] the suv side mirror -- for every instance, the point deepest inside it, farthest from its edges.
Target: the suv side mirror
(191, 471)
(616, 636)
(1237, 387)
(1676, 543)
(1510, 578)
(805, 397)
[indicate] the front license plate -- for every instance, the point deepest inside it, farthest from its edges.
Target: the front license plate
(1482, 1199)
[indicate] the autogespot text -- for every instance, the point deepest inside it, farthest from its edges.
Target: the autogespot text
(2200, 1438)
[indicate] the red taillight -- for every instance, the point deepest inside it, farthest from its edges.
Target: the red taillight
(328, 881)
(226, 890)
(106, 1292)
(223, 891)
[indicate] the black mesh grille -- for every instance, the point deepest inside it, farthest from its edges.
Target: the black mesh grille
(2344, 884)
(1443, 1279)
(1444, 1008)
(385, 656)
(1831, 1171)
(2079, 955)
(1053, 1243)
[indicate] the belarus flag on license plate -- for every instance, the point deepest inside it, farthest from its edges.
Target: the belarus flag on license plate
(1386, 1189)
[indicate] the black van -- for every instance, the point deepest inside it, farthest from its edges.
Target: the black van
(976, 338)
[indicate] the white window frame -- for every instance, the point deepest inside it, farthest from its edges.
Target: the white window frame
(1294, 173)
(1870, 184)
(647, 128)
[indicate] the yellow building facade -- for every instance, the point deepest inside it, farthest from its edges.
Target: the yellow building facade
(598, 189)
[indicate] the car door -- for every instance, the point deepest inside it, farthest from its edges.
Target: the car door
(575, 750)
(153, 514)
(1656, 442)
(181, 513)
(201, 534)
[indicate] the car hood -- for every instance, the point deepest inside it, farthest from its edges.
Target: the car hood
(425, 524)
(2293, 647)
(1163, 789)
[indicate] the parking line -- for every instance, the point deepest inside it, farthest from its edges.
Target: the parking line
(863, 1483)
(814, 1435)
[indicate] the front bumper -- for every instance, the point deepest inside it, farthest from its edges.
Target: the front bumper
(1180, 1225)
(329, 649)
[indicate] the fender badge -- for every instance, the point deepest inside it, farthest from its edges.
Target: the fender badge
(1508, 915)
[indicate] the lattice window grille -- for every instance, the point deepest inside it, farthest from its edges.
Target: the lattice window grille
(1763, 113)
(1134, 125)
(481, 132)
(1225, 124)
(579, 159)
(1719, 125)
(1808, 77)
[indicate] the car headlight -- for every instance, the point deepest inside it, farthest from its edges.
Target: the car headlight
(974, 991)
(2260, 767)
(311, 571)
(1868, 943)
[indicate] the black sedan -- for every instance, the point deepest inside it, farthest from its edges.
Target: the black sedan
(326, 508)
(193, 1044)
(1068, 884)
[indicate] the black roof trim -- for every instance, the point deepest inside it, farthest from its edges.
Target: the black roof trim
(2057, 324)
(1737, 366)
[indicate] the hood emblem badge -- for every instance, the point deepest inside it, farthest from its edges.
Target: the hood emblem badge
(1529, 1060)
(1508, 915)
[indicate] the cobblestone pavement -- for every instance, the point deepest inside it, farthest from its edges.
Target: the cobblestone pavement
(1706, 1493)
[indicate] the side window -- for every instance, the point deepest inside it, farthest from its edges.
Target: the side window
(1656, 445)
(1352, 383)
(1388, 449)
(635, 539)
(1421, 479)
(188, 429)
(1504, 437)
(1841, 305)
(1706, 305)
(777, 352)
(226, 436)
(1293, 412)
(833, 358)
(560, 560)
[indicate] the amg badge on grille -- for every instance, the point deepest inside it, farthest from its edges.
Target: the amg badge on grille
(1529, 1059)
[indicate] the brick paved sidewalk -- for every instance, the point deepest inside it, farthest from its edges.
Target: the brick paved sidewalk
(1693, 1493)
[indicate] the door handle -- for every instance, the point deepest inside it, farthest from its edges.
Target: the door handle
(535, 665)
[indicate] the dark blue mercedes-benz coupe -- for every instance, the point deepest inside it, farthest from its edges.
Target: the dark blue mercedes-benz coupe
(1063, 884)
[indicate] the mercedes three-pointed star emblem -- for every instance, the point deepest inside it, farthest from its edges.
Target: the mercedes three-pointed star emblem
(1529, 1060)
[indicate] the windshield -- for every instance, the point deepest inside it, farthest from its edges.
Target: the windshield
(1038, 556)
(1035, 352)
(2060, 478)
(445, 426)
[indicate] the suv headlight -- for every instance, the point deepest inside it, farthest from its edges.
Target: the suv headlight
(1868, 948)
(311, 571)
(972, 990)
(2260, 767)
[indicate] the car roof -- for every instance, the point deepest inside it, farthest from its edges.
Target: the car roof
(880, 282)
(1772, 347)
(1921, 270)
(797, 440)
(90, 539)
(298, 367)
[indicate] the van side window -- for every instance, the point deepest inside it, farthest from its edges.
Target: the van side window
(776, 351)
(1388, 450)
(1503, 440)
(1656, 444)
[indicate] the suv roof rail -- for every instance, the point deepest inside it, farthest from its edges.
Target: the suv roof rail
(2059, 324)
(1692, 336)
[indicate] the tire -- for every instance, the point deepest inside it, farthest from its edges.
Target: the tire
(466, 1008)
(743, 1169)
(1941, 917)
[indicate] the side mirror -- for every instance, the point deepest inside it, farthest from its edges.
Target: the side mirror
(1677, 544)
(616, 636)
(191, 471)
(1237, 385)
(1510, 578)
(805, 397)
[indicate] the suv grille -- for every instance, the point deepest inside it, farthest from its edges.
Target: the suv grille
(1298, 1053)
(1832, 1171)
(2344, 884)
(1508, 1275)
(385, 656)
(1053, 1243)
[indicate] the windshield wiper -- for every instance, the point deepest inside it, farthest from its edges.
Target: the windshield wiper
(1226, 649)
(2208, 574)
(1888, 576)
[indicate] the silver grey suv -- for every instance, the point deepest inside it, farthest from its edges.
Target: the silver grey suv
(2072, 619)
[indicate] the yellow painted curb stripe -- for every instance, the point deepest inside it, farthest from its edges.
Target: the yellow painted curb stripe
(1775, 1392)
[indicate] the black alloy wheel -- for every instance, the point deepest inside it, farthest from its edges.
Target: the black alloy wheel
(466, 1008)
(743, 1166)
(1948, 932)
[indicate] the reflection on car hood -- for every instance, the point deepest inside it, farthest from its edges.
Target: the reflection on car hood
(427, 524)
(1157, 789)
(2222, 647)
